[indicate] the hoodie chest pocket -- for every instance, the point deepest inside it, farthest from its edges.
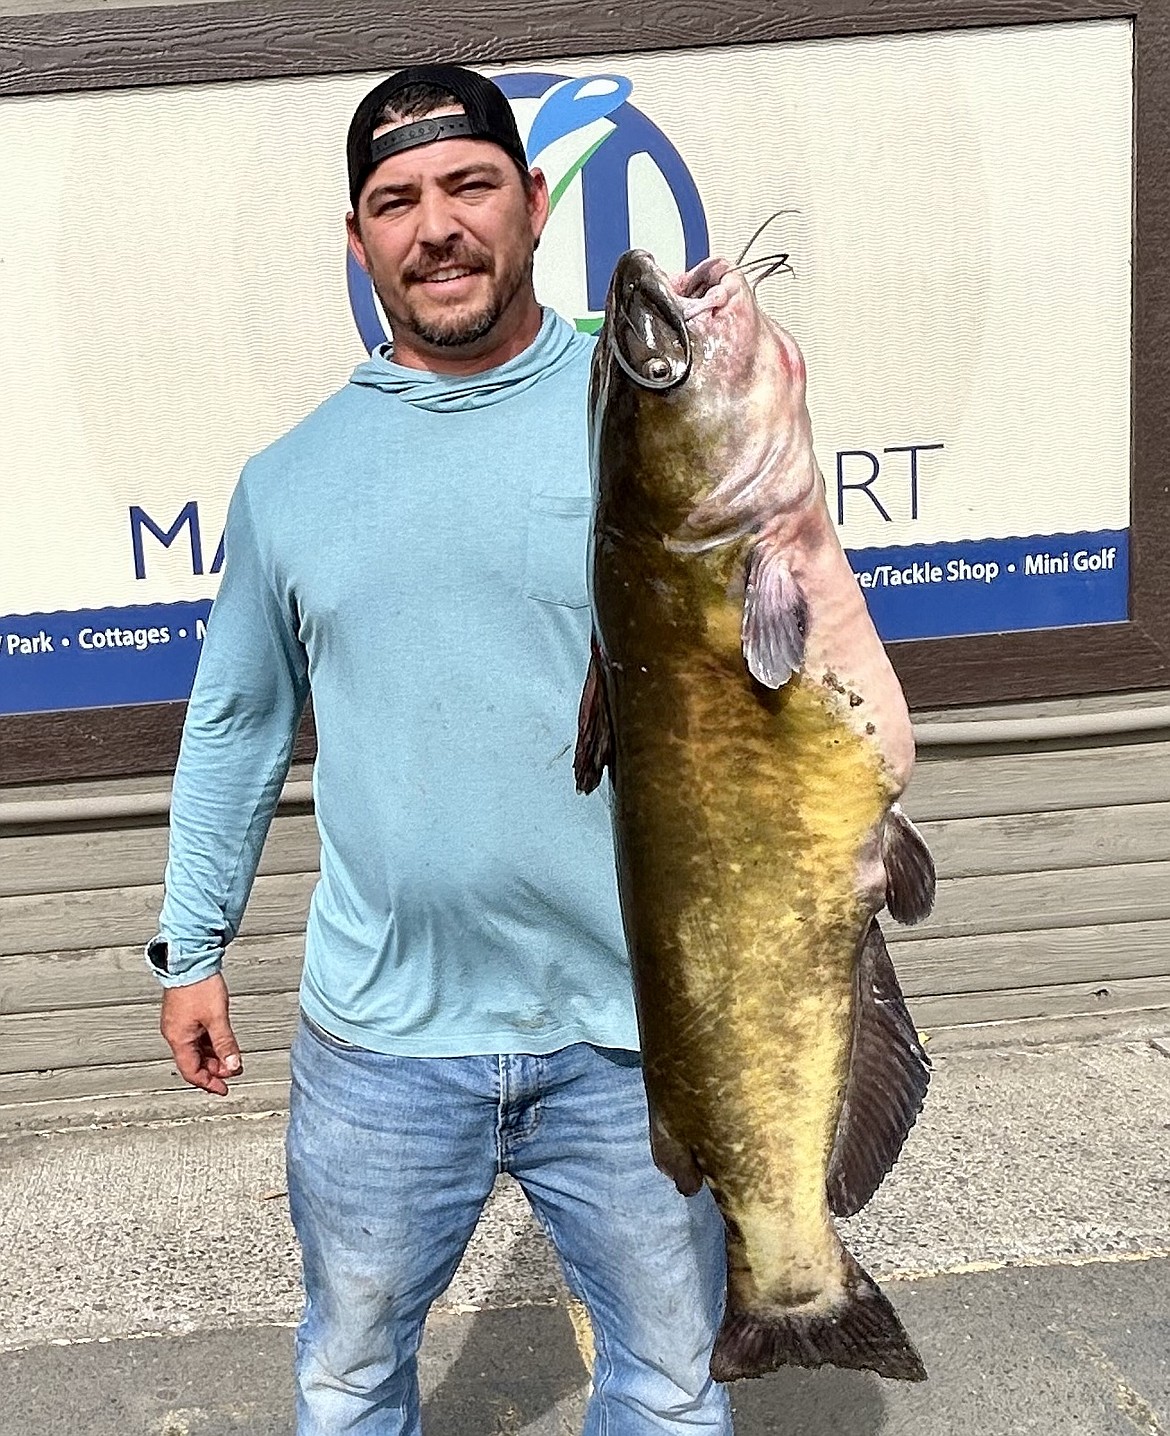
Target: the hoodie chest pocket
(558, 544)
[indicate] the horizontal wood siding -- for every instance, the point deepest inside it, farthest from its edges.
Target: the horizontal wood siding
(1076, 838)
(46, 922)
(109, 976)
(1053, 903)
(980, 785)
(130, 857)
(37, 1041)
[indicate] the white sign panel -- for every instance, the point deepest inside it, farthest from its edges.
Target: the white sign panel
(176, 293)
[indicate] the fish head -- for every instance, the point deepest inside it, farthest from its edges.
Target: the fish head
(698, 406)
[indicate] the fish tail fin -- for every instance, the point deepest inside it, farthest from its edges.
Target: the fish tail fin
(863, 1333)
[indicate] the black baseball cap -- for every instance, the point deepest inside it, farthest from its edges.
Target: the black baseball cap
(487, 116)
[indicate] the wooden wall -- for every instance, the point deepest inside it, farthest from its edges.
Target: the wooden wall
(1054, 902)
(78, 1005)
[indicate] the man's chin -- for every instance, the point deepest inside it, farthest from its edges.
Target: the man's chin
(455, 331)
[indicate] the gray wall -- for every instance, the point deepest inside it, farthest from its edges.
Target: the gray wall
(1054, 903)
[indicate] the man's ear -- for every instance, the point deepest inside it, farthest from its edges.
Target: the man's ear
(538, 203)
(354, 239)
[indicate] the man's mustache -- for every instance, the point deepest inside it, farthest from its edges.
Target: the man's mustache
(456, 259)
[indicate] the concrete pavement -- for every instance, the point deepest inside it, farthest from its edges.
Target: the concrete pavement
(1024, 1237)
(1059, 1351)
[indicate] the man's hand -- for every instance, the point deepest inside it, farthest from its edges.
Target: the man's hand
(196, 1027)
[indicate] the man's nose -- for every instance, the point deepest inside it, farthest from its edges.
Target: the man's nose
(436, 219)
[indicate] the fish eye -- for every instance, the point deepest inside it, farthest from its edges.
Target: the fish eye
(657, 368)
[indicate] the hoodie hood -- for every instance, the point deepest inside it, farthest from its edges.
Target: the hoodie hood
(555, 345)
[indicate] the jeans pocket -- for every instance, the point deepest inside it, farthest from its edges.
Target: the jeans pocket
(558, 543)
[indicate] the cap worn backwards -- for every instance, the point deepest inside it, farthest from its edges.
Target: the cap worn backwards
(487, 115)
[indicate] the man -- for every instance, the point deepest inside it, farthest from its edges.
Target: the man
(414, 552)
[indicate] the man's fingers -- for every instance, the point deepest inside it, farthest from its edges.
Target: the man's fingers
(193, 1067)
(225, 1047)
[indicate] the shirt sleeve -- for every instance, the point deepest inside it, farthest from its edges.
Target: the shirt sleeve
(250, 689)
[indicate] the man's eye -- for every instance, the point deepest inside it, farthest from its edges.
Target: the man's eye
(474, 187)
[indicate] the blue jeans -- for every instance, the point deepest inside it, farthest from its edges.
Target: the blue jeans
(390, 1161)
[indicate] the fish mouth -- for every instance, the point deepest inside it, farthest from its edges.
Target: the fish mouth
(711, 285)
(652, 317)
(647, 325)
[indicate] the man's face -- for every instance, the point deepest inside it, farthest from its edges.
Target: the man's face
(447, 232)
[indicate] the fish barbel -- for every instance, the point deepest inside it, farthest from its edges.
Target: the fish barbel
(757, 740)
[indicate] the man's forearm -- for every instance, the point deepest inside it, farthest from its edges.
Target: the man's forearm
(250, 691)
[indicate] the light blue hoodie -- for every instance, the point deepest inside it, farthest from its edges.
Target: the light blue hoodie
(415, 553)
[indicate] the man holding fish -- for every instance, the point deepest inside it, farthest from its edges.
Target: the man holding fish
(414, 553)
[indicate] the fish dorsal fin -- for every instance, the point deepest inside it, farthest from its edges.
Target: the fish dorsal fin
(775, 618)
(594, 729)
(888, 1075)
(910, 876)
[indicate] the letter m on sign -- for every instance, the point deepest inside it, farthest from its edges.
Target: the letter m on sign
(188, 518)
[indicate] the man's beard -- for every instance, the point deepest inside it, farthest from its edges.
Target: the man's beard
(461, 329)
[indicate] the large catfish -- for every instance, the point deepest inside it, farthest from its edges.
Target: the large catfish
(757, 740)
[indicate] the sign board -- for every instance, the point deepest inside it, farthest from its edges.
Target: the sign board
(176, 294)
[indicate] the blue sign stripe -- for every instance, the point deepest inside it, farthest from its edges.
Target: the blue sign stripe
(99, 658)
(112, 657)
(996, 585)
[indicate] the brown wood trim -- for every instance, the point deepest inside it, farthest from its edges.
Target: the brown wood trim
(193, 44)
(1044, 663)
(103, 743)
(85, 50)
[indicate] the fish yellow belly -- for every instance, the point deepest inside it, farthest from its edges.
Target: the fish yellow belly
(743, 821)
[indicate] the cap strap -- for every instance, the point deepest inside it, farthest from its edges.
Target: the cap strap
(419, 132)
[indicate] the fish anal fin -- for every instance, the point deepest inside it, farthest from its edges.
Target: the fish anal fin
(594, 729)
(673, 1159)
(775, 618)
(862, 1333)
(910, 875)
(889, 1072)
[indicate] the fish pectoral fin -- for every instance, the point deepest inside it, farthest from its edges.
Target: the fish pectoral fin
(673, 1159)
(594, 729)
(910, 875)
(889, 1072)
(775, 618)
